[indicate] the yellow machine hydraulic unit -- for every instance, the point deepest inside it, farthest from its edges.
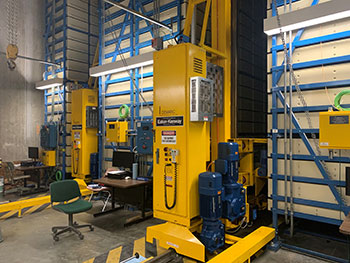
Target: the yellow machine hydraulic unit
(116, 131)
(84, 131)
(49, 158)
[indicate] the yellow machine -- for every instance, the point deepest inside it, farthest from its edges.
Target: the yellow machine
(182, 152)
(84, 131)
(49, 158)
(334, 130)
(186, 144)
(116, 131)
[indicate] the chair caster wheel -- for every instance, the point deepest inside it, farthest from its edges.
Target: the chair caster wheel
(56, 238)
(81, 237)
(91, 228)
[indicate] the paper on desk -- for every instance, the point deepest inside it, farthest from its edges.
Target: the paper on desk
(116, 172)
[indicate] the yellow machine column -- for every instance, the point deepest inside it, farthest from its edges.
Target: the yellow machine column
(181, 147)
(84, 131)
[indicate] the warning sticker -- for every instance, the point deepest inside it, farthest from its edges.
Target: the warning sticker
(168, 137)
(76, 135)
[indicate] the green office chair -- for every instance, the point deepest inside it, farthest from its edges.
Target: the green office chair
(62, 192)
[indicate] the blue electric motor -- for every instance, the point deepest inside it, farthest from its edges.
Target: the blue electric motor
(210, 206)
(234, 198)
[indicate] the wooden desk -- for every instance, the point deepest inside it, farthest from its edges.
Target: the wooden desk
(36, 171)
(125, 184)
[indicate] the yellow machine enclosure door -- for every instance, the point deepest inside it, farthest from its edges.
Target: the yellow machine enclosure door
(181, 147)
(84, 139)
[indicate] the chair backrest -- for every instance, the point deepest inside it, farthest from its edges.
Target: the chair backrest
(66, 190)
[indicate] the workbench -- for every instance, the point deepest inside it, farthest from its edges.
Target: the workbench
(34, 171)
(123, 184)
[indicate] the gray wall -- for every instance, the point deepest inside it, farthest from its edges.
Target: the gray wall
(21, 105)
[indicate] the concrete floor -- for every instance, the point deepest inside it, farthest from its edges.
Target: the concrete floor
(29, 239)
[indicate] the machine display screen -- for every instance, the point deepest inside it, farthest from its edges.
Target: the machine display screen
(339, 119)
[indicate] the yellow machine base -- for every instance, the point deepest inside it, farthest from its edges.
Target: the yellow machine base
(246, 247)
(178, 237)
(174, 236)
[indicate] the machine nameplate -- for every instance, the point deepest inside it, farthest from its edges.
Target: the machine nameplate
(172, 244)
(168, 137)
(338, 119)
(77, 127)
(170, 121)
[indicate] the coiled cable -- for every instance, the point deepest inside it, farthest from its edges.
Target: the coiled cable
(165, 186)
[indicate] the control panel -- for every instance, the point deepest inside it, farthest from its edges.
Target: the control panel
(144, 137)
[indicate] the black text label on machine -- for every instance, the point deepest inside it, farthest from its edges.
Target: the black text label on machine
(339, 120)
(168, 137)
(170, 121)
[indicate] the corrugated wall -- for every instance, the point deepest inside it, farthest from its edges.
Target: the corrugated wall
(249, 70)
(321, 63)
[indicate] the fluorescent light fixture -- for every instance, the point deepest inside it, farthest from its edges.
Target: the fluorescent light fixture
(120, 66)
(310, 16)
(46, 84)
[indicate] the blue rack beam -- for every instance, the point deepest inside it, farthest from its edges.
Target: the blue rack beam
(277, 134)
(133, 38)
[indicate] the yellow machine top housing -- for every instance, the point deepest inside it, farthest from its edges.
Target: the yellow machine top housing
(84, 135)
(181, 147)
(335, 129)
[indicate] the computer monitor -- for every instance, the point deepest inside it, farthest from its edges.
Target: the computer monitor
(33, 152)
(123, 159)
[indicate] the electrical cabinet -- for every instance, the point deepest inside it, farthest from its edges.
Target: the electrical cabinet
(117, 131)
(144, 137)
(48, 136)
(335, 130)
(84, 131)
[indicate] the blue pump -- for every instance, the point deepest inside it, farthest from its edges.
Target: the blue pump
(221, 196)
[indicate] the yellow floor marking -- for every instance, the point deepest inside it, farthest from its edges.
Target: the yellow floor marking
(9, 214)
(114, 255)
(31, 210)
(91, 260)
(139, 246)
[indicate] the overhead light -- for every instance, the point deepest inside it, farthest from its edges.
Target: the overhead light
(122, 65)
(46, 84)
(309, 16)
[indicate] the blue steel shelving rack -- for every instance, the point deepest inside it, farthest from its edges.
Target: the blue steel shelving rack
(51, 20)
(134, 48)
(301, 132)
